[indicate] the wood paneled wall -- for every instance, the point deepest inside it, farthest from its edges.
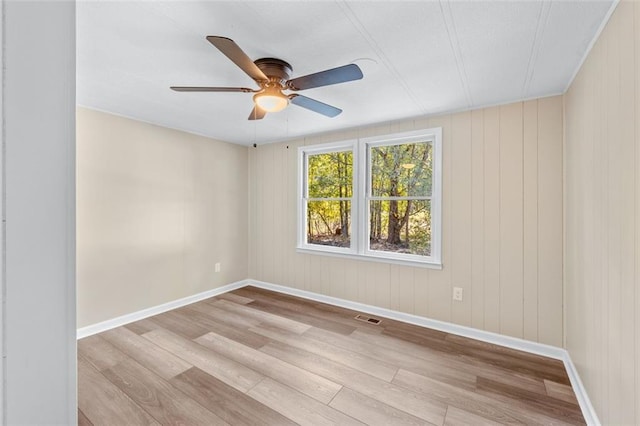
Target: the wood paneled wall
(502, 225)
(603, 220)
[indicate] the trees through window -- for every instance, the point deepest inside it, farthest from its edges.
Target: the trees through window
(376, 197)
(399, 197)
(330, 188)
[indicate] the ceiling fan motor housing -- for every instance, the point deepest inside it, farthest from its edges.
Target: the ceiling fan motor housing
(276, 69)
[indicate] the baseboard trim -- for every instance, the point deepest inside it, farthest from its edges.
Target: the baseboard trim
(589, 413)
(486, 336)
(155, 310)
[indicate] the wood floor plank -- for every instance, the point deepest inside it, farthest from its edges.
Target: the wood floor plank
(333, 313)
(532, 384)
(235, 298)
(103, 403)
(556, 408)
(229, 371)
(411, 333)
(310, 307)
(506, 358)
(100, 353)
(481, 354)
(233, 406)
(308, 383)
(83, 420)
(473, 402)
(164, 402)
(444, 368)
(210, 308)
(560, 391)
(326, 324)
(306, 313)
(479, 344)
(298, 407)
(371, 411)
(436, 367)
(518, 366)
(177, 323)
(223, 323)
(162, 362)
(418, 405)
(447, 366)
(142, 326)
(459, 417)
(346, 357)
(264, 317)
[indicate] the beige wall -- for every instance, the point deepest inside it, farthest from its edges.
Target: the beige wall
(156, 209)
(603, 220)
(502, 230)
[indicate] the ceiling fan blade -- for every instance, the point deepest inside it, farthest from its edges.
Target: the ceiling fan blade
(212, 89)
(232, 51)
(325, 78)
(257, 113)
(315, 106)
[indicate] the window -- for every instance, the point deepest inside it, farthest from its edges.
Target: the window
(329, 193)
(374, 198)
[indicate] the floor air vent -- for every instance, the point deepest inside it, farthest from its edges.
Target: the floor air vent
(370, 320)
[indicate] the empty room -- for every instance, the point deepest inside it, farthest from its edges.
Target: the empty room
(320, 212)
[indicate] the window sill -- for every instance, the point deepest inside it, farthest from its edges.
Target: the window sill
(355, 256)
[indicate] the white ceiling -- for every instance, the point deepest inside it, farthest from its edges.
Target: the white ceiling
(418, 58)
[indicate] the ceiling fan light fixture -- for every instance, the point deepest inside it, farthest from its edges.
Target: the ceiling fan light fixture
(271, 100)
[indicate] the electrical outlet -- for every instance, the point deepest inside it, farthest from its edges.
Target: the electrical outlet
(457, 294)
(218, 267)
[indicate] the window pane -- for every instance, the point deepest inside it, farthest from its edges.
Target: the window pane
(330, 175)
(402, 170)
(329, 223)
(393, 229)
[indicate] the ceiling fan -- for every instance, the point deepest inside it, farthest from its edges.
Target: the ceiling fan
(272, 75)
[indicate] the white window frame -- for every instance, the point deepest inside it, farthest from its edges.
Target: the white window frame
(361, 195)
(303, 166)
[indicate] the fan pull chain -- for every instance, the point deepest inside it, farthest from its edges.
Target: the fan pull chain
(255, 133)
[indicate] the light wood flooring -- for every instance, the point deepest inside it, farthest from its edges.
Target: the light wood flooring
(255, 357)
